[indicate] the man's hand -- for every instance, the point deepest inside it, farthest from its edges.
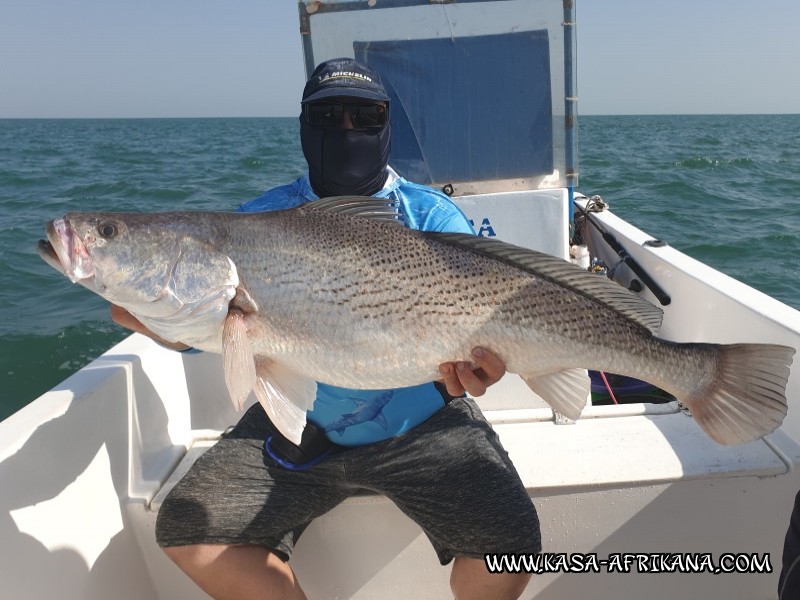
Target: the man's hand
(122, 317)
(460, 377)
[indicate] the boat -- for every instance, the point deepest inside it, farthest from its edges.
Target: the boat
(484, 107)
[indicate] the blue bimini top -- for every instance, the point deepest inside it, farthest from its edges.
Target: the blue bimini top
(357, 417)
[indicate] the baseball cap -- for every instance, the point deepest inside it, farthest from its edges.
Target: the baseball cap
(343, 77)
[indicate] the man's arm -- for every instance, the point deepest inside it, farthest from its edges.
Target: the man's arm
(122, 317)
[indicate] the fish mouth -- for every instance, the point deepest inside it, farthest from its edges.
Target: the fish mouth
(65, 251)
(49, 255)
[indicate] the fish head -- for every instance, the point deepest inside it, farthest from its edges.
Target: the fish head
(152, 264)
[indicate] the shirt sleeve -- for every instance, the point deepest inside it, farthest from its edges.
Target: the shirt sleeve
(284, 196)
(428, 209)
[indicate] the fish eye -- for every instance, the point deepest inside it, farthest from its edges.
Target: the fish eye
(107, 230)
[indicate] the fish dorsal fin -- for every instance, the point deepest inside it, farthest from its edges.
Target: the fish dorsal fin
(563, 273)
(368, 207)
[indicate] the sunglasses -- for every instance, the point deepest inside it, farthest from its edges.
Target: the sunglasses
(329, 114)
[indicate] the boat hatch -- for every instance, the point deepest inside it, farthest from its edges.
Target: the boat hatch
(477, 101)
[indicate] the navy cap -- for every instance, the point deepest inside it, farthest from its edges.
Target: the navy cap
(343, 77)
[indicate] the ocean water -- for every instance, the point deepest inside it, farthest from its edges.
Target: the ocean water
(723, 189)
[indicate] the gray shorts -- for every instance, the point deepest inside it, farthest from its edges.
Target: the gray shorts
(449, 474)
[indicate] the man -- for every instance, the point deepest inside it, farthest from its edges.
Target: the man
(232, 521)
(789, 579)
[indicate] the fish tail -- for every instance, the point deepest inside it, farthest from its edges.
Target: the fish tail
(745, 398)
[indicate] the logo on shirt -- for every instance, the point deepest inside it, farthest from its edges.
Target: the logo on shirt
(365, 411)
(486, 229)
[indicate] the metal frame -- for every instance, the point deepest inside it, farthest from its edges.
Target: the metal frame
(309, 8)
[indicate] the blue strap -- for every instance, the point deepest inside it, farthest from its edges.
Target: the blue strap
(292, 466)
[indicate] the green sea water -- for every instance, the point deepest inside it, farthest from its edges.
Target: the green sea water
(723, 189)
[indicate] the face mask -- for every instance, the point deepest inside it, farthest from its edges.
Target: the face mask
(345, 162)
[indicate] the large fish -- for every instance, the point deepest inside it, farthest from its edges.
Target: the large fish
(335, 291)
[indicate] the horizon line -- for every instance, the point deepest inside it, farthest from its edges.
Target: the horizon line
(643, 114)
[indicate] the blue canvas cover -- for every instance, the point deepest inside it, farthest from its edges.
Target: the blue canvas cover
(457, 102)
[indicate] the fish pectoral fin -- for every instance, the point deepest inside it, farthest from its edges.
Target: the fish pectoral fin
(237, 358)
(243, 300)
(566, 391)
(285, 396)
(359, 402)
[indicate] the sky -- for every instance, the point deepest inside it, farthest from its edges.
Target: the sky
(203, 58)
